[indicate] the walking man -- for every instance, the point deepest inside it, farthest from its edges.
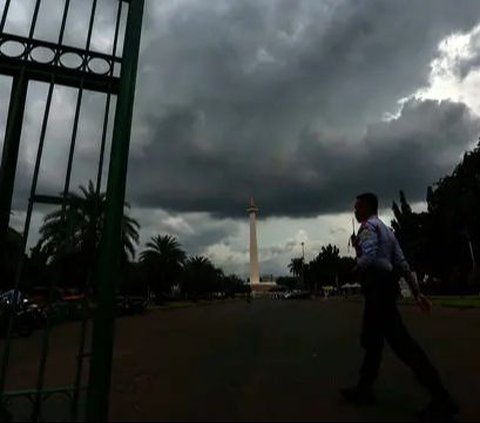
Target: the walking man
(380, 263)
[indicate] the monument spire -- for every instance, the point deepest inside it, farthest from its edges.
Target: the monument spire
(254, 267)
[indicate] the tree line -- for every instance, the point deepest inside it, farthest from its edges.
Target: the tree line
(66, 255)
(442, 244)
(328, 268)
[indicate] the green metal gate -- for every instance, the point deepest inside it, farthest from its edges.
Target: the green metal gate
(87, 397)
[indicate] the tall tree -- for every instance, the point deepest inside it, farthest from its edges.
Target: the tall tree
(296, 266)
(444, 241)
(454, 206)
(163, 257)
(9, 258)
(79, 226)
(200, 277)
(70, 237)
(324, 267)
(411, 230)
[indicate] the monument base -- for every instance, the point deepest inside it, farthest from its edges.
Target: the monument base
(262, 289)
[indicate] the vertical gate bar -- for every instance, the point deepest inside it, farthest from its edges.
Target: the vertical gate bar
(28, 218)
(36, 172)
(6, 353)
(46, 334)
(11, 146)
(110, 248)
(77, 108)
(47, 331)
(90, 25)
(4, 15)
(117, 30)
(83, 333)
(7, 178)
(34, 19)
(107, 105)
(84, 323)
(46, 338)
(103, 143)
(64, 22)
(40, 380)
(73, 140)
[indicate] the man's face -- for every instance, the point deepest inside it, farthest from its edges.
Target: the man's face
(361, 211)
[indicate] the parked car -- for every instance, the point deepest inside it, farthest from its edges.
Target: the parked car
(296, 294)
(16, 307)
(130, 305)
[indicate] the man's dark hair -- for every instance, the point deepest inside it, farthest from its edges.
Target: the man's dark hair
(371, 200)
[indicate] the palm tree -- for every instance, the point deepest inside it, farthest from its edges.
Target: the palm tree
(200, 277)
(74, 232)
(296, 266)
(163, 258)
(9, 258)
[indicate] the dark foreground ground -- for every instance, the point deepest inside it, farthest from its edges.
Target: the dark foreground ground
(264, 361)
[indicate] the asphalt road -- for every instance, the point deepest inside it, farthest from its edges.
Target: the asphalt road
(280, 361)
(264, 361)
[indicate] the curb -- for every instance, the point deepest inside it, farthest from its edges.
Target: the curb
(205, 303)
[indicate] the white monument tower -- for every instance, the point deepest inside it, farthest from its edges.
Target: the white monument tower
(254, 267)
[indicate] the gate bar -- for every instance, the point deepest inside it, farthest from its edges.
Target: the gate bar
(110, 247)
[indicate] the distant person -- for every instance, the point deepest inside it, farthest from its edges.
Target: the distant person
(380, 264)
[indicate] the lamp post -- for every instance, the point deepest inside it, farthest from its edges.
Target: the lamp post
(303, 264)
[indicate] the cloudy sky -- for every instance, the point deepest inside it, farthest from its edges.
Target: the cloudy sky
(300, 103)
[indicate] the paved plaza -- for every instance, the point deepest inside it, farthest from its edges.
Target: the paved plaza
(266, 361)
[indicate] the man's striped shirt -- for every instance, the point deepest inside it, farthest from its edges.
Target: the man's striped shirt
(377, 247)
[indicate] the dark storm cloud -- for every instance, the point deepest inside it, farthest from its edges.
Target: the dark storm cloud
(337, 63)
(195, 231)
(319, 175)
(58, 140)
(272, 99)
(205, 233)
(59, 129)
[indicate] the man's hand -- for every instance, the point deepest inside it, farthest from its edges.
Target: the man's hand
(354, 271)
(353, 239)
(423, 303)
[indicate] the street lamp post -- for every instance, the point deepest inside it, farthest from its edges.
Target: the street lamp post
(303, 264)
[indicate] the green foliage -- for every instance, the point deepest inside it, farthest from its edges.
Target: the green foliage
(410, 229)
(323, 269)
(163, 260)
(9, 259)
(327, 268)
(437, 242)
(288, 282)
(200, 277)
(296, 266)
(78, 227)
(231, 285)
(70, 237)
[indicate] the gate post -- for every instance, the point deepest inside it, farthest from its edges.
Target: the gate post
(10, 150)
(107, 272)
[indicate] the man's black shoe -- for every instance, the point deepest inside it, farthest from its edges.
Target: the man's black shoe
(439, 411)
(358, 395)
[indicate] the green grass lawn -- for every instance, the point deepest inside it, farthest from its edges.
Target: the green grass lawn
(455, 301)
(469, 301)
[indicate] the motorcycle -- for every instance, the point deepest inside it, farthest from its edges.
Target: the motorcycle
(20, 310)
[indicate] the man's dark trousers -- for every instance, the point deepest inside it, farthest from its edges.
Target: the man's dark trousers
(382, 322)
